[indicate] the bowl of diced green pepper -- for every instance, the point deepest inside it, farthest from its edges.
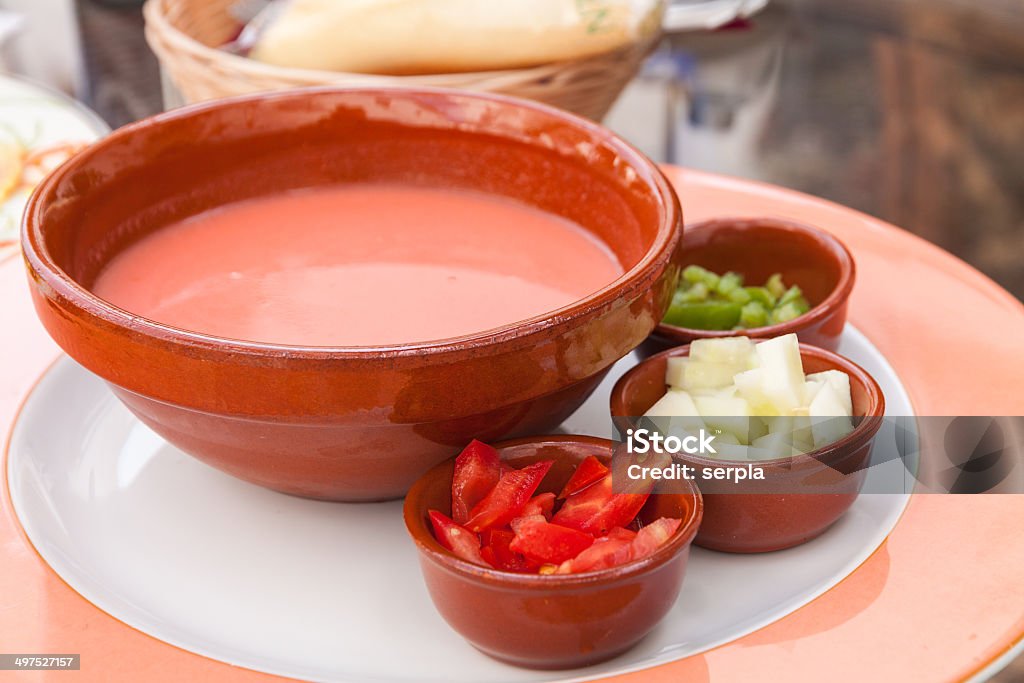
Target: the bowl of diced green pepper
(759, 277)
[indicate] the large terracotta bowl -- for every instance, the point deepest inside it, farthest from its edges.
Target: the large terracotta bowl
(356, 423)
(756, 248)
(553, 621)
(800, 497)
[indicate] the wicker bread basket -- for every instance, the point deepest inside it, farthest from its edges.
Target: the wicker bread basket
(184, 35)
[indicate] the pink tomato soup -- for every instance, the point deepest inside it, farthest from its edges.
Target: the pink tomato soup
(358, 265)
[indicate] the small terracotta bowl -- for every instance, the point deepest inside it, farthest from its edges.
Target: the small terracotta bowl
(756, 248)
(349, 423)
(800, 497)
(552, 622)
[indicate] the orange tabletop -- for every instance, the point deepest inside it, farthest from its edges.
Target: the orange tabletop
(940, 599)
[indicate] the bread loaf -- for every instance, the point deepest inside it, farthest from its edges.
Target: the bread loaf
(437, 36)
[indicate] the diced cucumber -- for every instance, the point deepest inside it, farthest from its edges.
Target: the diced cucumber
(749, 385)
(829, 423)
(675, 371)
(840, 381)
(773, 445)
(702, 375)
(730, 415)
(783, 373)
(731, 350)
(811, 388)
(675, 402)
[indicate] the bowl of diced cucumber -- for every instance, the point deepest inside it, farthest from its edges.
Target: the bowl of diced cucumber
(801, 420)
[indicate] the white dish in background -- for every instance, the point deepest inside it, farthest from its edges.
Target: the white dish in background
(34, 119)
(706, 15)
(329, 591)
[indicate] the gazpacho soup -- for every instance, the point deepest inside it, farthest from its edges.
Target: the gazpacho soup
(363, 264)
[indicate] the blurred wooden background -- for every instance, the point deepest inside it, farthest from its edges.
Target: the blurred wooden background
(950, 109)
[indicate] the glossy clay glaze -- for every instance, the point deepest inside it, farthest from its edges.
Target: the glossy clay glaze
(800, 497)
(552, 621)
(756, 248)
(349, 423)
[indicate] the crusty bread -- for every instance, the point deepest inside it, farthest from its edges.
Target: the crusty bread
(439, 36)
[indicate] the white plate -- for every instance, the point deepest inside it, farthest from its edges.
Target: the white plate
(331, 591)
(32, 119)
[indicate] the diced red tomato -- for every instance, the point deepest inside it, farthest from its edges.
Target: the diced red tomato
(621, 546)
(541, 504)
(587, 472)
(497, 553)
(620, 534)
(496, 538)
(652, 536)
(506, 500)
(490, 558)
(597, 509)
(605, 552)
(541, 541)
(463, 543)
(501, 523)
(477, 470)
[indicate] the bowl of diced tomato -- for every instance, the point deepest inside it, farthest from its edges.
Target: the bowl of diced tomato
(532, 554)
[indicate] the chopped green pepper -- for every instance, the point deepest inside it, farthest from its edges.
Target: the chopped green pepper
(695, 274)
(753, 314)
(708, 301)
(705, 315)
(787, 312)
(793, 294)
(729, 282)
(698, 292)
(739, 295)
(762, 296)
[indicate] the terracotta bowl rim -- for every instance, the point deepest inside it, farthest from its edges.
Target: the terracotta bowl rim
(427, 544)
(637, 279)
(865, 430)
(782, 226)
